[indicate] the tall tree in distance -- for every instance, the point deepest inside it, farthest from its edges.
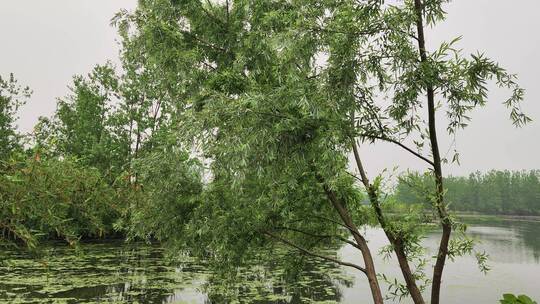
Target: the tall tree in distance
(109, 119)
(83, 122)
(12, 97)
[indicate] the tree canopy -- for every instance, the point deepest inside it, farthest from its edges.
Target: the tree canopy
(276, 95)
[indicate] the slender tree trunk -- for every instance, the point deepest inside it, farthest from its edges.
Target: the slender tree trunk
(130, 139)
(437, 168)
(362, 244)
(154, 123)
(396, 242)
(137, 143)
(399, 250)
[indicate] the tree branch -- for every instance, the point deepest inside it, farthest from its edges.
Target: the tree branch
(384, 138)
(336, 222)
(210, 15)
(322, 236)
(202, 42)
(364, 179)
(306, 251)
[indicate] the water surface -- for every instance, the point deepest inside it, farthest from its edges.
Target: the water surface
(115, 272)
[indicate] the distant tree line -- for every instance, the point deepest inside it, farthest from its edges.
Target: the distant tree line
(494, 192)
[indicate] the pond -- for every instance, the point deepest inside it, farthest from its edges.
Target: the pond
(115, 272)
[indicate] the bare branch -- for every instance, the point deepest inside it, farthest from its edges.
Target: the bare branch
(355, 177)
(384, 138)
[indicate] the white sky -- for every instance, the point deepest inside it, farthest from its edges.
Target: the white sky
(44, 43)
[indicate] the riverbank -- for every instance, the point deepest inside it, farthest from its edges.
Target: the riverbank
(480, 216)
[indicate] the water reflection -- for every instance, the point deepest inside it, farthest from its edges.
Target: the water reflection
(513, 240)
(124, 273)
(513, 247)
(314, 282)
(116, 272)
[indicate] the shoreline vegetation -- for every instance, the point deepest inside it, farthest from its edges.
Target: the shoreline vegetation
(507, 193)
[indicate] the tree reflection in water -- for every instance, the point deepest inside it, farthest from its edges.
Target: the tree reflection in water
(139, 273)
(114, 271)
(310, 280)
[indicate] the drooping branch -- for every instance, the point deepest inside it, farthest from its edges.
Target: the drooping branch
(313, 254)
(8, 229)
(345, 216)
(381, 130)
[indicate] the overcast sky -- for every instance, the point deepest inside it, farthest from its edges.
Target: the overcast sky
(45, 43)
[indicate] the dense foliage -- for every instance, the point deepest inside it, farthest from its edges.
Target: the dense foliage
(494, 192)
(169, 188)
(43, 199)
(77, 176)
(106, 122)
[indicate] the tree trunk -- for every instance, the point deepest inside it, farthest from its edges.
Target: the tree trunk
(399, 250)
(362, 244)
(437, 168)
(413, 289)
(397, 244)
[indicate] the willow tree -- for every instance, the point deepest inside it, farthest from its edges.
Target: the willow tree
(276, 95)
